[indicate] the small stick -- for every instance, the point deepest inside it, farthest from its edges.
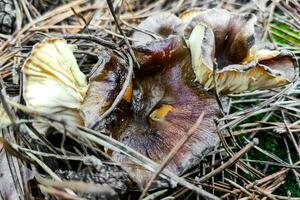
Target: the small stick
(238, 186)
(267, 178)
(231, 161)
(172, 154)
(263, 192)
(93, 39)
(111, 8)
(79, 186)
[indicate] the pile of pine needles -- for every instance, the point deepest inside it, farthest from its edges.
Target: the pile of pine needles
(259, 153)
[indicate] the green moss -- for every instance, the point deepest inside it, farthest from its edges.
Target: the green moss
(290, 186)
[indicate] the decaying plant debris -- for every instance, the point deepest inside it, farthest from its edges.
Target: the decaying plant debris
(152, 99)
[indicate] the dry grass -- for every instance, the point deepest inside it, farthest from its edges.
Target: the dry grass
(259, 153)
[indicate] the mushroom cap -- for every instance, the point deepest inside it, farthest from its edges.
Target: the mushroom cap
(105, 83)
(166, 103)
(258, 69)
(53, 82)
(227, 40)
(160, 25)
(233, 34)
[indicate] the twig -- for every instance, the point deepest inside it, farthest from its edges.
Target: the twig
(111, 8)
(79, 186)
(231, 161)
(93, 39)
(172, 154)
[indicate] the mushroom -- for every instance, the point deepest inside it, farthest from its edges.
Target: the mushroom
(172, 87)
(219, 36)
(226, 40)
(53, 83)
(165, 105)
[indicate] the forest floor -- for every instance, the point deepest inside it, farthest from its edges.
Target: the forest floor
(237, 169)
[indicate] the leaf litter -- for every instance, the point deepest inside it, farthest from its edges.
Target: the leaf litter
(258, 153)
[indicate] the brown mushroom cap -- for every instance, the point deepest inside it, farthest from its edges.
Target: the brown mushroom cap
(160, 25)
(105, 83)
(258, 69)
(233, 34)
(165, 105)
(218, 37)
